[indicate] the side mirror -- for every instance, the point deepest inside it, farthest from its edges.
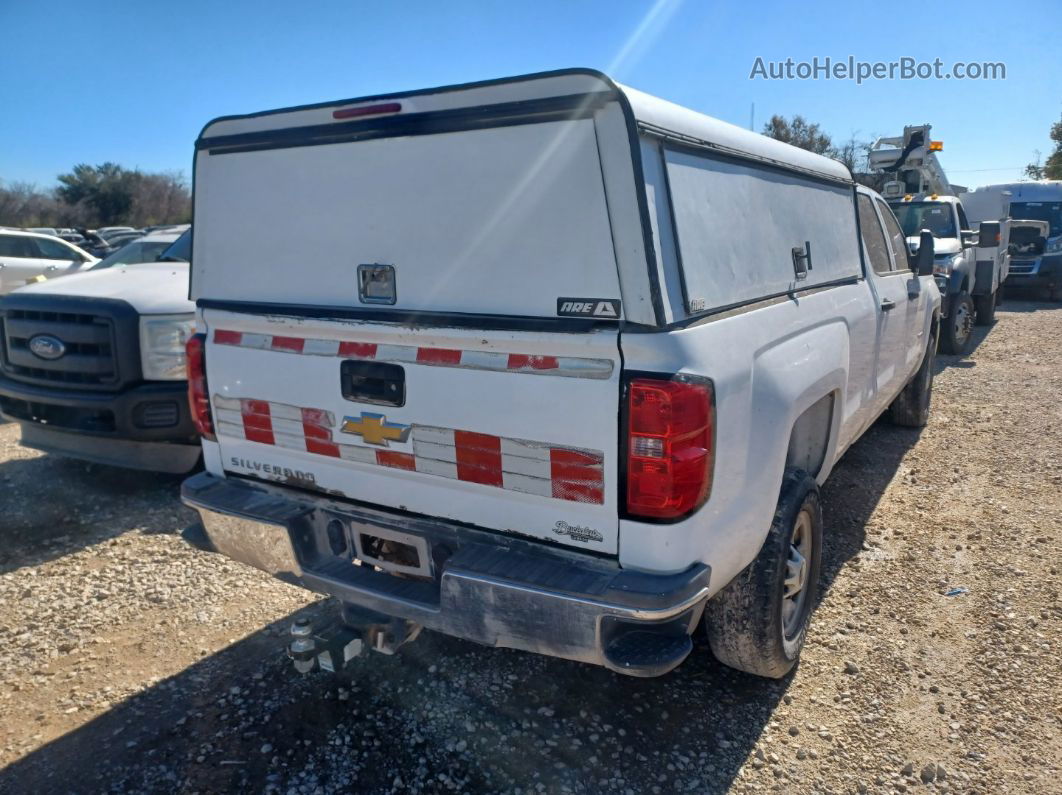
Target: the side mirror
(969, 237)
(988, 234)
(923, 260)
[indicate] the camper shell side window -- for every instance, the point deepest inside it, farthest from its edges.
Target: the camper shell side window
(739, 225)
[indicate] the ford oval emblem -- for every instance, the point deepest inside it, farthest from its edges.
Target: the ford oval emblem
(45, 346)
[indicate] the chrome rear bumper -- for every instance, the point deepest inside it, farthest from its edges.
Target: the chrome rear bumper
(485, 588)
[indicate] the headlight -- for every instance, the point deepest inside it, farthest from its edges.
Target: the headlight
(162, 341)
(1054, 246)
(944, 265)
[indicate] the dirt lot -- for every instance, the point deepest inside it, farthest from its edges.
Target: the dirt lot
(130, 662)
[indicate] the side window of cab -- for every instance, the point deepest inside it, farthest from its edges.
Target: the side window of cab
(873, 236)
(896, 238)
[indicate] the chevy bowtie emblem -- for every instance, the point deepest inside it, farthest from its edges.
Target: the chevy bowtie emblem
(375, 429)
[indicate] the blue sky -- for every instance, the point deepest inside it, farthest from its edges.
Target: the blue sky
(134, 82)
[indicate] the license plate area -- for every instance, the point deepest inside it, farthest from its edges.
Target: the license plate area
(392, 550)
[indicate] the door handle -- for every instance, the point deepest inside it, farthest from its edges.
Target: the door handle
(887, 305)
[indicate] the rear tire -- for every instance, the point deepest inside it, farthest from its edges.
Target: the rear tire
(911, 406)
(956, 337)
(758, 622)
(986, 309)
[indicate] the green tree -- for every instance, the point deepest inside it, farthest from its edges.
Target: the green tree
(798, 131)
(107, 189)
(1052, 167)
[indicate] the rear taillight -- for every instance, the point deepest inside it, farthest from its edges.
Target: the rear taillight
(198, 396)
(670, 440)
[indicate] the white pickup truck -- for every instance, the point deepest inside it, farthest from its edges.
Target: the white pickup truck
(92, 365)
(545, 363)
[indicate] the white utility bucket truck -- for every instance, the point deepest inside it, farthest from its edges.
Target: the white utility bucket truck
(968, 266)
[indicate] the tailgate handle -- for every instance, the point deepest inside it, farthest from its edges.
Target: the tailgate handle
(373, 382)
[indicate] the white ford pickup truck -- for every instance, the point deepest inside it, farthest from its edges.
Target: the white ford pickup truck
(544, 363)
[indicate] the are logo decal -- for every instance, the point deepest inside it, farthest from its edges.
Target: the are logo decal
(605, 308)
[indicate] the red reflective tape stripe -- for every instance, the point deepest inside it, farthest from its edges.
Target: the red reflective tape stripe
(389, 458)
(316, 432)
(358, 350)
(559, 455)
(293, 344)
(318, 417)
(322, 448)
(438, 356)
(257, 422)
(521, 361)
(579, 492)
(224, 337)
(479, 458)
(577, 476)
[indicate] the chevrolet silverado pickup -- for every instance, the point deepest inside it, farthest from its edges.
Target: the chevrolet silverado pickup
(544, 363)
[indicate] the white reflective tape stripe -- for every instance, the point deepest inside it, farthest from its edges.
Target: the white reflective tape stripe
(281, 425)
(228, 416)
(528, 485)
(231, 429)
(321, 347)
(353, 452)
(433, 435)
(526, 466)
(260, 341)
(396, 353)
(227, 403)
(485, 360)
(290, 441)
(438, 452)
(518, 447)
(430, 466)
(582, 368)
(282, 411)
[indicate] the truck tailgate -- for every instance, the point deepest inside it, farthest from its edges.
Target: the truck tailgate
(513, 431)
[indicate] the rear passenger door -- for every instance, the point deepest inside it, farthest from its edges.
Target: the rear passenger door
(889, 287)
(917, 300)
(55, 257)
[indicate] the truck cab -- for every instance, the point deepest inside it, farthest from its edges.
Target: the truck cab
(967, 299)
(92, 365)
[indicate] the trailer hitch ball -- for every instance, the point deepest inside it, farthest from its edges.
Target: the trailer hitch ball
(302, 649)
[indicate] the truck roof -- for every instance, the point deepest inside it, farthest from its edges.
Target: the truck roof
(644, 112)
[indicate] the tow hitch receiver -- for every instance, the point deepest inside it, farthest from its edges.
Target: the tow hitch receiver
(344, 635)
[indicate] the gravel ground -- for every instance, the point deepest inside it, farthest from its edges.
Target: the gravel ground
(129, 662)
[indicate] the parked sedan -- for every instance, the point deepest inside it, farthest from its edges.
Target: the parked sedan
(146, 248)
(26, 256)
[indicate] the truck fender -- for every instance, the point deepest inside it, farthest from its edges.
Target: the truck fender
(959, 280)
(791, 378)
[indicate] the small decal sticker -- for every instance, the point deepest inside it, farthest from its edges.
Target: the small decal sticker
(608, 308)
(576, 533)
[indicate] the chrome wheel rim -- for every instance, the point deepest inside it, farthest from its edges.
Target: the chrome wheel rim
(797, 567)
(963, 321)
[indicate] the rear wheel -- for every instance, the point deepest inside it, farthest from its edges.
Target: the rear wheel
(986, 309)
(956, 336)
(759, 621)
(911, 406)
